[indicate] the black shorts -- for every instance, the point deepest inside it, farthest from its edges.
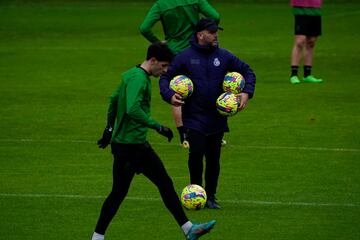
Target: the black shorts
(309, 26)
(137, 158)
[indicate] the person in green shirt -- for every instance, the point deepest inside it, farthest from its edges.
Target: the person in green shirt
(178, 19)
(128, 120)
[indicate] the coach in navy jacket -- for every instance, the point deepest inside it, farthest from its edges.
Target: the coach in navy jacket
(206, 65)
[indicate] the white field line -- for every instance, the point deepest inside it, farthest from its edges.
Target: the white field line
(29, 140)
(235, 201)
(301, 148)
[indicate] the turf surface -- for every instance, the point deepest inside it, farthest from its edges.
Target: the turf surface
(291, 167)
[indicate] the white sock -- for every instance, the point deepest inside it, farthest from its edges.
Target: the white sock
(97, 236)
(186, 227)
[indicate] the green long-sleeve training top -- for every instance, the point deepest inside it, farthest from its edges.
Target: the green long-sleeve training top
(129, 108)
(178, 19)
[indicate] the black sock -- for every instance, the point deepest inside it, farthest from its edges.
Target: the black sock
(307, 70)
(294, 70)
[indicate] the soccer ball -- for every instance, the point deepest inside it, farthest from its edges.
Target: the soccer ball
(228, 104)
(233, 82)
(193, 197)
(182, 85)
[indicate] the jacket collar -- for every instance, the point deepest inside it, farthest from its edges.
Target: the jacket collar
(147, 74)
(201, 48)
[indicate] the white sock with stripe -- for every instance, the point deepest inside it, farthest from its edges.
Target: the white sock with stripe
(186, 227)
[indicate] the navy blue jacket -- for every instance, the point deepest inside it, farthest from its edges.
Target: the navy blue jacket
(206, 67)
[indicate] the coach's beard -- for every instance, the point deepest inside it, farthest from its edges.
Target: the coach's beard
(213, 45)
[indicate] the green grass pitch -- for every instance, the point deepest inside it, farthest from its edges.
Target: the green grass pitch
(291, 168)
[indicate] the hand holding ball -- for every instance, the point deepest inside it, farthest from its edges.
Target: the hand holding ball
(182, 85)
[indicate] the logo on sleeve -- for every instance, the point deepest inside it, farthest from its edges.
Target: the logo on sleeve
(216, 62)
(195, 61)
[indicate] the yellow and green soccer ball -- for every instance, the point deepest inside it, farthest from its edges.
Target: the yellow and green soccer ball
(193, 197)
(233, 82)
(182, 85)
(228, 104)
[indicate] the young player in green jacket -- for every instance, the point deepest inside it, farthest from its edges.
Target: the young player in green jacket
(178, 19)
(127, 125)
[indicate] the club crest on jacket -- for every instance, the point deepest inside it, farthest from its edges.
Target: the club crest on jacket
(216, 62)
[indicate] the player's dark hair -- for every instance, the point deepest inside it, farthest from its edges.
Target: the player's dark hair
(160, 51)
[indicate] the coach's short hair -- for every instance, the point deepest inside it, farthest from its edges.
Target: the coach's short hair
(160, 51)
